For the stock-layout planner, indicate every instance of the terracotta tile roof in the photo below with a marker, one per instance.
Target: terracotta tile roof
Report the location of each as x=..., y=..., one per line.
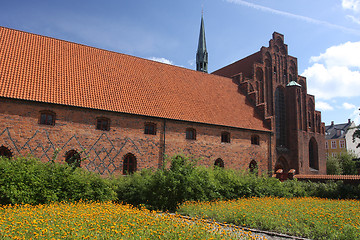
x=43, y=69
x=328, y=177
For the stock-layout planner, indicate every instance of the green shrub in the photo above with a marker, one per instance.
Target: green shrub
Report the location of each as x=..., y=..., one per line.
x=341, y=164
x=27, y=180
x=333, y=166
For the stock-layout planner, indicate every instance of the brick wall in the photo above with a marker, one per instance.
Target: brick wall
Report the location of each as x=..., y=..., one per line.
x=103, y=151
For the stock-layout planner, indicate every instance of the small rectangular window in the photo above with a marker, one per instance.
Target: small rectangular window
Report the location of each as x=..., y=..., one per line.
x=103, y=124
x=47, y=118
x=255, y=140
x=150, y=128
x=342, y=144
x=326, y=145
x=225, y=137
x=191, y=134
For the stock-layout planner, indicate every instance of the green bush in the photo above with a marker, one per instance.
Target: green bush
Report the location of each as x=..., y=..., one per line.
x=27, y=180
x=341, y=164
x=166, y=188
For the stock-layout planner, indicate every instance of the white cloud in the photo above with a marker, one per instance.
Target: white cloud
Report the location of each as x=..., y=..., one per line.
x=335, y=73
x=348, y=106
x=162, y=60
x=295, y=16
x=351, y=4
x=353, y=18
x=323, y=106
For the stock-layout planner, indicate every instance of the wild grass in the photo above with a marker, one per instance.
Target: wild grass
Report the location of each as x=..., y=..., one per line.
x=313, y=218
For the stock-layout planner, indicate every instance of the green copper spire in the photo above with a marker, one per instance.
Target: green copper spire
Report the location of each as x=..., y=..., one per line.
x=202, y=55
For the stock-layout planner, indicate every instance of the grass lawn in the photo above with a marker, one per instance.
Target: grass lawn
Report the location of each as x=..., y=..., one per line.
x=101, y=221
x=313, y=218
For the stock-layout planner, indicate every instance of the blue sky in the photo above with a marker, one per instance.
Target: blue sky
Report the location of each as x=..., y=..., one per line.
x=324, y=35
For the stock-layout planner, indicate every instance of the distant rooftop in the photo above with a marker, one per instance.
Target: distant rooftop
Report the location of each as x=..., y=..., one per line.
x=336, y=131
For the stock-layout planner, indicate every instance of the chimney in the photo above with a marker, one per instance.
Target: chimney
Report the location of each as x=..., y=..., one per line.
x=332, y=123
x=349, y=120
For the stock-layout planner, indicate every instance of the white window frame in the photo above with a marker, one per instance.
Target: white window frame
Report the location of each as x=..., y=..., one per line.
x=333, y=144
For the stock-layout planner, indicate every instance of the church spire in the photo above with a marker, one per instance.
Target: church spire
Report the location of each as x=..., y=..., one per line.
x=202, y=55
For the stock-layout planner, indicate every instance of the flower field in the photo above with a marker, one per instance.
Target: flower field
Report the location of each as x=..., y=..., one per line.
x=313, y=218
x=102, y=221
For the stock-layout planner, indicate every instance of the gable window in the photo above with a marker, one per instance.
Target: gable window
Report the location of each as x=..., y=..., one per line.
x=73, y=158
x=47, y=118
x=191, y=134
x=103, y=124
x=150, y=128
x=255, y=140
x=225, y=137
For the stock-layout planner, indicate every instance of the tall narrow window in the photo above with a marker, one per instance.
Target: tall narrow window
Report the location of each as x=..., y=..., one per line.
x=191, y=134
x=103, y=124
x=150, y=128
x=47, y=118
x=313, y=154
x=129, y=164
x=73, y=158
x=5, y=152
x=255, y=140
x=225, y=137
x=280, y=117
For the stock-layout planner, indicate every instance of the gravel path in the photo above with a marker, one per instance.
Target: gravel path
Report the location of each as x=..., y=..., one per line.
x=238, y=231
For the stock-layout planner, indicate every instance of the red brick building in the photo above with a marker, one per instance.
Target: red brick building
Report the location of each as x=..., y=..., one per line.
x=119, y=113
x=269, y=78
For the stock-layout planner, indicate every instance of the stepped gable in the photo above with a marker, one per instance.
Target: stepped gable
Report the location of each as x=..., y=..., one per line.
x=44, y=69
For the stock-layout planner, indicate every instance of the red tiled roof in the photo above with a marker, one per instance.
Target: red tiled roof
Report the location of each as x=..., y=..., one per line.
x=44, y=69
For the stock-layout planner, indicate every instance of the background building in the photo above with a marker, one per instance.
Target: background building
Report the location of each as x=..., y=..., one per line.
x=339, y=138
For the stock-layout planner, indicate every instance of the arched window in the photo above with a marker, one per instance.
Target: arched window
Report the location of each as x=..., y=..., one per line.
x=47, y=118
x=219, y=163
x=129, y=164
x=5, y=152
x=103, y=123
x=225, y=137
x=73, y=158
x=150, y=128
x=253, y=167
x=280, y=117
x=313, y=154
x=191, y=134
x=255, y=140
